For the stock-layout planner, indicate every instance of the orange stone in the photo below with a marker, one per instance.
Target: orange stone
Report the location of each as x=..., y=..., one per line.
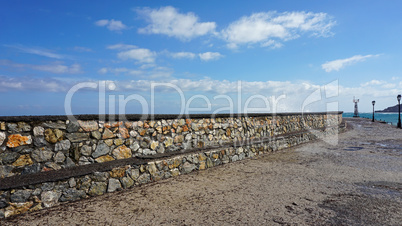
x=122, y=152
x=107, y=134
x=23, y=160
x=124, y=133
x=185, y=128
x=118, y=172
x=16, y=140
x=105, y=158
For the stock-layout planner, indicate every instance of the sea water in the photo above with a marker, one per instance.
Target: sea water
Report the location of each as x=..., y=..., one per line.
x=391, y=118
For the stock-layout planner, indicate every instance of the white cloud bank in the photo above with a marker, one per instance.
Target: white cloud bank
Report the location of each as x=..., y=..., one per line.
x=336, y=65
x=168, y=21
x=268, y=28
x=37, y=51
x=55, y=68
x=112, y=25
x=207, y=56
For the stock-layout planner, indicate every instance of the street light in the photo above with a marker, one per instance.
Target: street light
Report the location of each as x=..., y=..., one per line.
x=373, y=102
x=399, y=105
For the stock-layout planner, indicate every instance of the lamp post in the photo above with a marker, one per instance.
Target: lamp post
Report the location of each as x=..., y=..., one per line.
x=373, y=102
x=399, y=105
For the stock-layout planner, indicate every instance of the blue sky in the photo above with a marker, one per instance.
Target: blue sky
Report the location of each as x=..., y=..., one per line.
x=286, y=56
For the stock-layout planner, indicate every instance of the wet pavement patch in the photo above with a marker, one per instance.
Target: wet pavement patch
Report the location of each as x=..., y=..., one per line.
x=353, y=148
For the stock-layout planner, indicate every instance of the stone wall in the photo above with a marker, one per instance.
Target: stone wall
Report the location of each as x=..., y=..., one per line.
x=46, y=160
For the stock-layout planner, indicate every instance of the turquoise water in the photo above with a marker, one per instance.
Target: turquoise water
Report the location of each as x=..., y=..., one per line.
x=388, y=117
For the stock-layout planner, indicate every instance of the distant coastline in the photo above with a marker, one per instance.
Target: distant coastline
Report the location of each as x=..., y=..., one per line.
x=393, y=109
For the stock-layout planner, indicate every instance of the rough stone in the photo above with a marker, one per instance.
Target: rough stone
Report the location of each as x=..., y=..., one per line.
x=188, y=167
x=152, y=168
x=40, y=142
x=54, y=125
x=96, y=134
x=77, y=137
x=17, y=208
x=52, y=136
x=21, y=195
x=109, y=142
x=104, y=158
x=97, y=188
x=202, y=166
x=83, y=161
x=42, y=154
x=38, y=131
x=34, y=168
x=122, y=152
x=86, y=150
x=6, y=171
x=100, y=176
x=16, y=140
x=126, y=182
x=73, y=126
x=113, y=185
x=2, y=137
x=175, y=172
x=59, y=157
x=178, y=139
x=23, y=160
x=144, y=178
x=154, y=145
x=124, y=133
x=88, y=126
x=107, y=134
x=63, y=145
x=118, y=142
x=148, y=152
x=71, y=182
x=101, y=149
x=50, y=198
x=133, y=173
x=72, y=194
x=8, y=157
x=168, y=142
x=118, y=172
x=2, y=126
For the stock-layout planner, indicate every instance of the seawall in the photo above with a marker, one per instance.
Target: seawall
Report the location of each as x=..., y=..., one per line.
x=47, y=160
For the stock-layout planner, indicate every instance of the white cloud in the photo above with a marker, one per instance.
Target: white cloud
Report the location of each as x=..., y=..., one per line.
x=188, y=55
x=112, y=25
x=82, y=49
x=336, y=65
x=37, y=51
x=121, y=46
x=168, y=21
x=140, y=55
x=266, y=27
x=56, y=68
x=207, y=56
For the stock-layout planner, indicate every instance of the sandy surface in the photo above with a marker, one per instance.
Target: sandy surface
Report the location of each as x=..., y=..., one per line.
x=356, y=182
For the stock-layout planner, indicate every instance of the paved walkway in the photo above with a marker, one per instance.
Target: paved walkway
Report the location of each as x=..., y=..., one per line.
x=358, y=182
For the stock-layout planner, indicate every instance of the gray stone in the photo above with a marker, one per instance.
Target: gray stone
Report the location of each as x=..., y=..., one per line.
x=72, y=194
x=114, y=185
x=100, y=176
x=54, y=125
x=2, y=137
x=40, y=142
x=53, y=165
x=135, y=146
x=133, y=173
x=86, y=150
x=126, y=182
x=83, y=161
x=97, y=188
x=13, y=128
x=234, y=158
x=42, y=155
x=36, y=192
x=225, y=159
x=96, y=134
x=144, y=178
x=2, y=215
x=84, y=183
x=3, y=203
x=59, y=157
x=73, y=126
x=38, y=131
x=148, y=152
x=77, y=137
x=8, y=157
x=63, y=145
x=188, y=167
x=71, y=182
x=242, y=156
x=101, y=149
x=69, y=162
x=47, y=186
x=34, y=168
x=50, y=198
x=20, y=195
